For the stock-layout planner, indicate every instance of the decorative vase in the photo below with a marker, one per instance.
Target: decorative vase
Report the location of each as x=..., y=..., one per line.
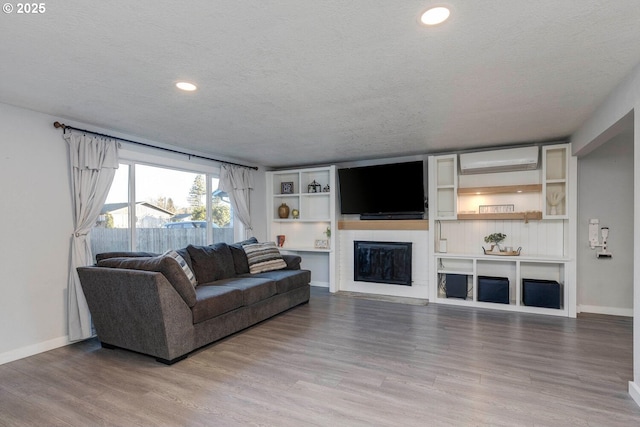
x=283, y=211
x=295, y=213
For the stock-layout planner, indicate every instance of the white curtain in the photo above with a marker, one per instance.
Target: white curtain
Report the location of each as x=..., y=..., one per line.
x=238, y=183
x=93, y=161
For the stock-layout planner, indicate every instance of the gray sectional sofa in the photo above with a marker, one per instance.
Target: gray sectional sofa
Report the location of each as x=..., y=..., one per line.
x=149, y=303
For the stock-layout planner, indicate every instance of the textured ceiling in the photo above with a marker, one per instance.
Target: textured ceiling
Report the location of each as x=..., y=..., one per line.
x=297, y=82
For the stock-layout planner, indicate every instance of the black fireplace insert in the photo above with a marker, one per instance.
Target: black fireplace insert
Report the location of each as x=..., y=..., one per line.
x=382, y=262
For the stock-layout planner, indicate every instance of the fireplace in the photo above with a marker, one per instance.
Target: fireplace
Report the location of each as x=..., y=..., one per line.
x=382, y=262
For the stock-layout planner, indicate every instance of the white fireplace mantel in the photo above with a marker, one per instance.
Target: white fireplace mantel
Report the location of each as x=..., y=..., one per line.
x=394, y=231
x=410, y=224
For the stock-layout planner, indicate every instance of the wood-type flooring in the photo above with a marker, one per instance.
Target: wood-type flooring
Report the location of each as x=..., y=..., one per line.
x=343, y=361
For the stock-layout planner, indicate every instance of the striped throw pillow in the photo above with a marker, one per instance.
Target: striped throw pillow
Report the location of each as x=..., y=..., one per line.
x=263, y=257
x=185, y=267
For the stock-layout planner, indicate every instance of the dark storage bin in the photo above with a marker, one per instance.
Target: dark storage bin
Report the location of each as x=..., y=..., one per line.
x=542, y=293
x=456, y=286
x=493, y=289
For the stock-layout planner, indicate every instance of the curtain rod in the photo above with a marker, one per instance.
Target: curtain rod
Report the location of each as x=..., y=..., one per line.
x=65, y=127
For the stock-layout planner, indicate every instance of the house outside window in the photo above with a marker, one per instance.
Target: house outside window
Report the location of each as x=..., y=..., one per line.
x=168, y=208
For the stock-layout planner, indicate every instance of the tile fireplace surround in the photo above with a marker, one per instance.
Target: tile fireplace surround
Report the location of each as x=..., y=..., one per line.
x=415, y=232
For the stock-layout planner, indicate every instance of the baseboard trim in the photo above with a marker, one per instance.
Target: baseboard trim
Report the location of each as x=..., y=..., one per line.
x=611, y=311
x=30, y=350
x=319, y=284
x=388, y=298
x=634, y=391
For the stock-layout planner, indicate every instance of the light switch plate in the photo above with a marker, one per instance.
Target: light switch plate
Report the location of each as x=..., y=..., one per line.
x=594, y=225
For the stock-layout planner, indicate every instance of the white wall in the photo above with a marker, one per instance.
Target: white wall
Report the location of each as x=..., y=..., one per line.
x=605, y=180
x=536, y=238
x=36, y=218
x=596, y=130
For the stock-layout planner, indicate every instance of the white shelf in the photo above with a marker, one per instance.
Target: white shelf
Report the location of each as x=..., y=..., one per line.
x=327, y=193
x=303, y=249
x=463, y=272
x=531, y=258
x=293, y=221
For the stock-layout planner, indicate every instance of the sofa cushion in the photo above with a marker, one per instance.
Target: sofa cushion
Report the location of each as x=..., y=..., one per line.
x=263, y=257
x=124, y=254
x=254, y=289
x=183, y=264
x=239, y=256
x=213, y=300
x=293, y=261
x=286, y=280
x=211, y=263
x=168, y=266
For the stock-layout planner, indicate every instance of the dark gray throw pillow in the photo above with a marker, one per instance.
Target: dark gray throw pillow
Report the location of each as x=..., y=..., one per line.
x=240, y=262
x=211, y=263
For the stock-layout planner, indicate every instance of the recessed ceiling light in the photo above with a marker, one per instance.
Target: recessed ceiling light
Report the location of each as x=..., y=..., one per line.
x=435, y=15
x=186, y=86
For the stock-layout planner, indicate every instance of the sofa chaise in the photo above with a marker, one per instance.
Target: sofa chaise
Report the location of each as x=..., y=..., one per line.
x=169, y=305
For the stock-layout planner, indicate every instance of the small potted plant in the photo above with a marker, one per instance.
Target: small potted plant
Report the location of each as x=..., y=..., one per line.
x=495, y=239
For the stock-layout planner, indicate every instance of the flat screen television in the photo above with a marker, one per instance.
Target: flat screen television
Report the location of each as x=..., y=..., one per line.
x=394, y=191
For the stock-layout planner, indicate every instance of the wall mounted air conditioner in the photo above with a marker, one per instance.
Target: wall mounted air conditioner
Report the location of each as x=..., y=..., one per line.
x=510, y=159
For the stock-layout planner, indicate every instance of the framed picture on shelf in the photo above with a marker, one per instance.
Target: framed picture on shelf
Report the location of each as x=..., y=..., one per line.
x=321, y=244
x=488, y=209
x=286, y=187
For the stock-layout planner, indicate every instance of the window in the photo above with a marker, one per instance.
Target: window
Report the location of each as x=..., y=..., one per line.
x=168, y=208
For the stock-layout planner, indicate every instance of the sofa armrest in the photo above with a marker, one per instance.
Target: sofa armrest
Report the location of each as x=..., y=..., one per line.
x=138, y=310
x=293, y=261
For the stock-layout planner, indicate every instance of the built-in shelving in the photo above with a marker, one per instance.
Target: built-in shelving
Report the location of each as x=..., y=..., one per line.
x=555, y=165
x=514, y=269
x=312, y=192
x=466, y=208
x=545, y=199
x=465, y=193
x=510, y=202
x=446, y=186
